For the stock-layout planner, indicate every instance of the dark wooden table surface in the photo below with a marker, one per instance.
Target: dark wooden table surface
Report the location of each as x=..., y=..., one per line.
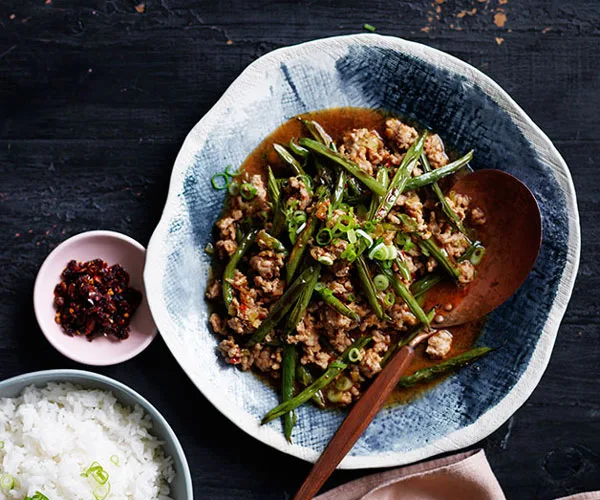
x=96, y=97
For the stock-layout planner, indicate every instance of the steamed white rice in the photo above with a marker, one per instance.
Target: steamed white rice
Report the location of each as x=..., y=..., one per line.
x=49, y=436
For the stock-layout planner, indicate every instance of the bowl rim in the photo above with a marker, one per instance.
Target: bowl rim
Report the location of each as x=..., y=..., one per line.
x=56, y=375
x=495, y=416
x=37, y=296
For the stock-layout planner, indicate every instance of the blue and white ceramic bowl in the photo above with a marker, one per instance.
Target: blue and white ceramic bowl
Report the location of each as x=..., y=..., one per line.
x=469, y=111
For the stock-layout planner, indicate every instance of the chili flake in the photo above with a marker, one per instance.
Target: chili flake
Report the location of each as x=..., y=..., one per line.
x=94, y=299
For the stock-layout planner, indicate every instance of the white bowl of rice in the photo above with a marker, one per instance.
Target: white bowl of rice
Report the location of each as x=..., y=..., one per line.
x=73, y=434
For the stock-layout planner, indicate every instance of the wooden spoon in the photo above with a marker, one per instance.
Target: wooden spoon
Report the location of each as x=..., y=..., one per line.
x=512, y=238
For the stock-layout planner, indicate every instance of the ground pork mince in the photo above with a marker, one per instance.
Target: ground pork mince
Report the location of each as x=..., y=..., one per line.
x=341, y=232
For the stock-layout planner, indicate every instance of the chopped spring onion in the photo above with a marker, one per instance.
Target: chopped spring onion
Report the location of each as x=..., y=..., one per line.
x=386, y=264
x=351, y=235
x=296, y=223
x=382, y=251
x=97, y=472
x=381, y=282
x=7, y=482
x=248, y=191
x=231, y=174
x=350, y=253
x=477, y=255
x=403, y=269
x=324, y=236
x=344, y=383
x=344, y=224
x=115, y=460
x=354, y=355
x=101, y=491
x=389, y=299
x=369, y=27
x=325, y=259
x=233, y=189
x=351, y=297
x=100, y=476
x=292, y=233
x=334, y=396
x=1, y=445
x=301, y=228
x=220, y=181
x=369, y=226
x=297, y=149
x=367, y=238
x=37, y=496
x=299, y=216
x=405, y=242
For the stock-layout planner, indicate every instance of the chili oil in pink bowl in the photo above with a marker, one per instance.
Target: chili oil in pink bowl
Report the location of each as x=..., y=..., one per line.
x=113, y=248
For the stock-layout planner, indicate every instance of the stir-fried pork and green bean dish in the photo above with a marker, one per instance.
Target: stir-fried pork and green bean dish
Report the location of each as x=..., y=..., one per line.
x=325, y=250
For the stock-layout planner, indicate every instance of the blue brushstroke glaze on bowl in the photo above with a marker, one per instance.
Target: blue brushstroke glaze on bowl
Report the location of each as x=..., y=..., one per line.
x=384, y=73
x=467, y=118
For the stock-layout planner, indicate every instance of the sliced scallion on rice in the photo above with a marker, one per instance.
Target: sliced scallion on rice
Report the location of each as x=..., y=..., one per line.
x=7, y=482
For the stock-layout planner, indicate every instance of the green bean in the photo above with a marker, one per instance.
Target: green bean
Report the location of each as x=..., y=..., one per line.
x=437, y=174
x=289, y=159
x=288, y=372
x=356, y=187
x=423, y=285
x=333, y=370
x=306, y=378
x=475, y=248
x=301, y=304
x=300, y=246
x=243, y=246
x=302, y=239
x=324, y=174
x=275, y=196
x=319, y=133
x=429, y=246
x=446, y=208
x=340, y=189
x=403, y=268
x=400, y=179
x=401, y=289
x=351, y=167
x=303, y=375
x=383, y=179
x=299, y=151
x=414, y=332
x=271, y=242
x=440, y=255
x=368, y=286
x=272, y=186
x=335, y=303
x=281, y=307
x=432, y=372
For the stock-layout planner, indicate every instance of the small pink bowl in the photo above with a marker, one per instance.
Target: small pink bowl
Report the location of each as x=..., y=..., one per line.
x=114, y=248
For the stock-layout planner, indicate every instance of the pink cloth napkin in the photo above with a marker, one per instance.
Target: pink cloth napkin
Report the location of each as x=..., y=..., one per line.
x=462, y=476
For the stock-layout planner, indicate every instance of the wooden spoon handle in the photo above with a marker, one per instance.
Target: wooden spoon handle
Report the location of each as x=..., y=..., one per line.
x=355, y=423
